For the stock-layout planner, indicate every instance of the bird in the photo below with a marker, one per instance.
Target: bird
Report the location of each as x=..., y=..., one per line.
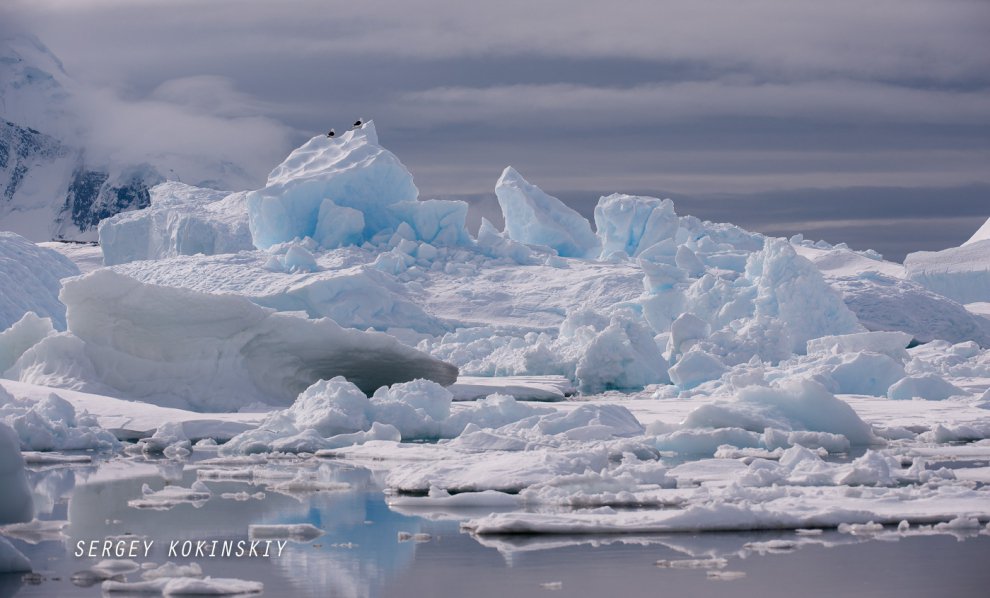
x=357, y=123
x=331, y=133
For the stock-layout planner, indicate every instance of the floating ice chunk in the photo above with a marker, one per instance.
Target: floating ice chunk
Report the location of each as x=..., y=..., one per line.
x=24, y=334
x=630, y=223
x=533, y=217
x=334, y=413
x=503, y=471
x=168, y=438
x=186, y=586
x=961, y=273
x=181, y=220
x=16, y=504
x=351, y=171
x=872, y=469
x=378, y=431
x=705, y=442
x=171, y=496
x=925, y=386
x=52, y=424
x=108, y=568
x=797, y=404
x=171, y=569
x=524, y=388
x=30, y=278
x=11, y=559
x=208, y=352
x=300, y=532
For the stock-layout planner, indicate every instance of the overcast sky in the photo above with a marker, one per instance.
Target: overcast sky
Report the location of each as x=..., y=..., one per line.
x=860, y=121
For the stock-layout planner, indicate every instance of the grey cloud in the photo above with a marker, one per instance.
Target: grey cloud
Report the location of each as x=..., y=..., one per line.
x=701, y=98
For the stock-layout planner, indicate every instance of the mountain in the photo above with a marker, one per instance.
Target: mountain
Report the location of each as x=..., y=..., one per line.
x=53, y=184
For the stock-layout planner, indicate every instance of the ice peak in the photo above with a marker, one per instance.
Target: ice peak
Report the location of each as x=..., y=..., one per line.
x=510, y=174
x=323, y=154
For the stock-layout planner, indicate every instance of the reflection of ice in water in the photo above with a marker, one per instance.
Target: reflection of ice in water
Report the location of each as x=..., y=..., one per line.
x=358, y=552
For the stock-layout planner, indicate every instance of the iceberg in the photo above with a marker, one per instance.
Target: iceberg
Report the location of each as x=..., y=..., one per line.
x=30, y=278
x=181, y=220
x=352, y=171
x=176, y=347
x=535, y=218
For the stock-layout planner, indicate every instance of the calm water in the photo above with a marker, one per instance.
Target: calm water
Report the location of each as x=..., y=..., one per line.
x=364, y=551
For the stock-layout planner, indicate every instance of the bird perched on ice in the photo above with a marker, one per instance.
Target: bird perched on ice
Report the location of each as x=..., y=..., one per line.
x=357, y=123
x=331, y=133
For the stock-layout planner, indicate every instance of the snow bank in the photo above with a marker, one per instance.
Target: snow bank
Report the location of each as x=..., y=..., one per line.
x=181, y=220
x=30, y=278
x=206, y=352
x=629, y=223
x=533, y=217
x=16, y=504
x=961, y=273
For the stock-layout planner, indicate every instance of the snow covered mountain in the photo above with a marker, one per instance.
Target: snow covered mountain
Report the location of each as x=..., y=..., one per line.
x=55, y=181
x=49, y=189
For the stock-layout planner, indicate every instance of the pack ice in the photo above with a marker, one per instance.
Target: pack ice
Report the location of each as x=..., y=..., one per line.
x=727, y=380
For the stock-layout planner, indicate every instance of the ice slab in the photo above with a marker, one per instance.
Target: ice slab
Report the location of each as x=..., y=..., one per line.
x=131, y=420
x=522, y=388
x=176, y=347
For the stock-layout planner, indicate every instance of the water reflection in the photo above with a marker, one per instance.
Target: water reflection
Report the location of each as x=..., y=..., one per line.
x=362, y=553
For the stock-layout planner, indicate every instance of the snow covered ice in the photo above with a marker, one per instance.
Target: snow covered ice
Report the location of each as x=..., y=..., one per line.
x=655, y=373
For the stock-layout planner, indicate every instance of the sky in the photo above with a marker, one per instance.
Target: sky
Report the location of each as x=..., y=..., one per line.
x=864, y=122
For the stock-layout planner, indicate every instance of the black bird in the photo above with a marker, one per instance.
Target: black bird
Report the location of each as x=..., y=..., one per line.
x=331, y=133
x=357, y=124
